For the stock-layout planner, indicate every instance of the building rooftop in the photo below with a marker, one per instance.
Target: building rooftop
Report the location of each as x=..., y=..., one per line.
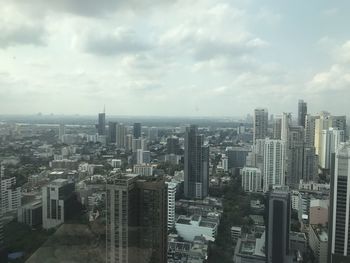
x=321, y=232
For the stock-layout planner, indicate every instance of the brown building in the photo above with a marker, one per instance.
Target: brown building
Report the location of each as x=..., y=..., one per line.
x=136, y=219
x=318, y=212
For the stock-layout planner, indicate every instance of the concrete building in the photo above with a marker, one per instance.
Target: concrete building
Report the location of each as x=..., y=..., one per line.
x=274, y=163
x=10, y=195
x=171, y=204
x=318, y=212
x=251, y=179
x=302, y=111
x=143, y=169
x=278, y=227
x=318, y=242
x=196, y=164
x=250, y=249
x=31, y=214
x=121, y=133
x=260, y=124
x=189, y=227
x=57, y=198
x=339, y=221
x=136, y=219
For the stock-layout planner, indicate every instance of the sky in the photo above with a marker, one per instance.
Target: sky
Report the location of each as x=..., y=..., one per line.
x=173, y=57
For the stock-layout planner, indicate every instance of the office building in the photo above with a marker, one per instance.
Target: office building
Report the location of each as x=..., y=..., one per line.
x=310, y=122
x=274, y=163
x=277, y=128
x=31, y=214
x=310, y=164
x=101, y=126
x=237, y=156
x=128, y=142
x=121, y=132
x=196, y=164
x=57, y=201
x=339, y=221
x=112, y=132
x=302, y=111
x=278, y=227
x=136, y=144
x=153, y=134
x=136, y=219
x=286, y=121
x=251, y=179
x=295, y=155
x=173, y=145
x=260, y=124
x=137, y=130
x=171, y=204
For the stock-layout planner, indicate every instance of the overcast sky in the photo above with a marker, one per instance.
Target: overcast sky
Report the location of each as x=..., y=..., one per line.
x=168, y=57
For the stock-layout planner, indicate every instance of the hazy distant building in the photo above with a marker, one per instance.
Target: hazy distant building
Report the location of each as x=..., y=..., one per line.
x=302, y=111
x=237, y=156
x=173, y=145
x=153, y=134
x=121, y=135
x=61, y=132
x=196, y=164
x=137, y=130
x=3, y=254
x=112, y=132
x=277, y=128
x=339, y=221
x=278, y=227
x=260, y=124
x=101, y=127
x=57, y=198
x=136, y=220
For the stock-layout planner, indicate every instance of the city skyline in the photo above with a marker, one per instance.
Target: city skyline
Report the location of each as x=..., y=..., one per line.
x=220, y=54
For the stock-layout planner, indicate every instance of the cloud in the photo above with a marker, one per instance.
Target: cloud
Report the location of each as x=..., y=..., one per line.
x=119, y=41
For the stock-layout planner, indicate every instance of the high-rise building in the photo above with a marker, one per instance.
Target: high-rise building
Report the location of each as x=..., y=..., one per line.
x=137, y=130
x=277, y=128
x=121, y=135
x=101, y=127
x=261, y=122
x=11, y=195
x=173, y=146
x=153, y=134
x=285, y=125
x=171, y=204
x=196, y=164
x=295, y=153
x=310, y=164
x=302, y=111
x=112, y=132
x=251, y=179
x=330, y=140
x=310, y=122
x=274, y=163
x=57, y=199
x=278, y=227
x=339, y=221
x=136, y=219
x=61, y=132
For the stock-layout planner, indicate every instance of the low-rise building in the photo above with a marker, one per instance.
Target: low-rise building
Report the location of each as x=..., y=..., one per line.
x=189, y=227
x=318, y=212
x=250, y=249
x=236, y=232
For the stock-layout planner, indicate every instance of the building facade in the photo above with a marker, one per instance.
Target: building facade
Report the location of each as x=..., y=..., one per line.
x=251, y=179
x=260, y=127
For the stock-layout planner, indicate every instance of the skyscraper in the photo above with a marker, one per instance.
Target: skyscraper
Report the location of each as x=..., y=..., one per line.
x=137, y=130
x=274, y=163
x=196, y=164
x=61, y=132
x=310, y=164
x=101, y=127
x=278, y=227
x=136, y=219
x=302, y=111
x=3, y=255
x=295, y=155
x=260, y=124
x=172, y=144
x=112, y=132
x=121, y=135
x=330, y=140
x=339, y=221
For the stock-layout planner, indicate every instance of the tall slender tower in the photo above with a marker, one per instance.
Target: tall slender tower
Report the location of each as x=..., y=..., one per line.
x=101, y=129
x=302, y=111
x=137, y=130
x=261, y=121
x=196, y=164
x=278, y=227
x=339, y=221
x=112, y=132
